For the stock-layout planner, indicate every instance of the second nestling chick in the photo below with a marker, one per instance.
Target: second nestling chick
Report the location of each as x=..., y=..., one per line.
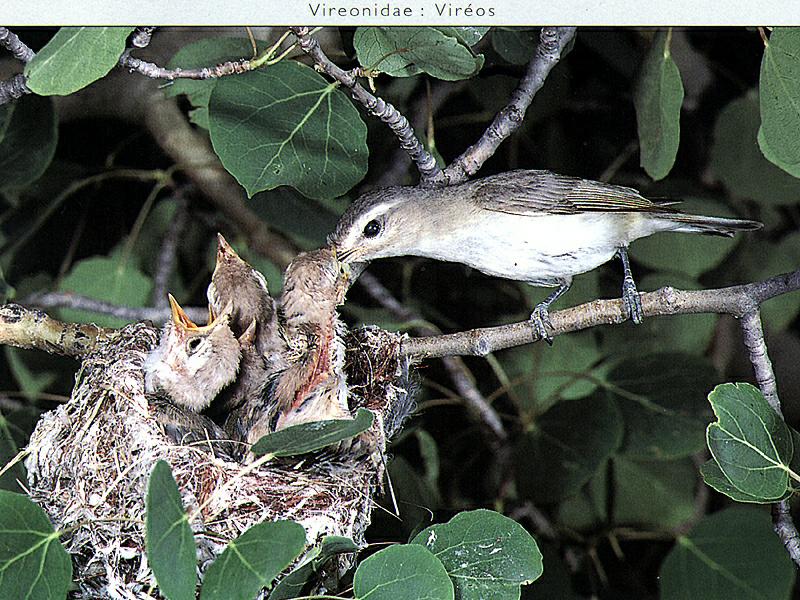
x=313, y=386
x=191, y=364
x=255, y=322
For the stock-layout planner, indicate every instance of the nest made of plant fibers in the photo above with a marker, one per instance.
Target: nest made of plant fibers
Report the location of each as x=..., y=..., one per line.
x=90, y=461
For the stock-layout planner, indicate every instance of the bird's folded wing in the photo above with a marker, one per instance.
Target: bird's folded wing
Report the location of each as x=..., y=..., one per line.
x=538, y=193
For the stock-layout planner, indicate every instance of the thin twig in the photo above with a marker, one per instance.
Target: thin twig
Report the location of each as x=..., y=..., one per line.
x=462, y=379
x=11, y=42
x=424, y=107
x=753, y=337
x=13, y=88
x=736, y=300
x=166, y=257
x=142, y=36
x=430, y=174
x=128, y=313
x=154, y=71
x=29, y=328
x=552, y=41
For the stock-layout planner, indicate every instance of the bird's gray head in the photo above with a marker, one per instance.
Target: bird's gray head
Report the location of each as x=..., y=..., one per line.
x=191, y=363
x=379, y=224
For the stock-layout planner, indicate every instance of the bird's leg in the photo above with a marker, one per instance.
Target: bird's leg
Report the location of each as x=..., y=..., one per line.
x=630, y=295
x=540, y=317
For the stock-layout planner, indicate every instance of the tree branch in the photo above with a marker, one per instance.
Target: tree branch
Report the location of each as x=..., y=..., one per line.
x=753, y=337
x=154, y=71
x=142, y=36
x=11, y=42
x=168, y=253
x=13, y=88
x=552, y=41
x=462, y=379
x=430, y=174
x=128, y=313
x=737, y=300
x=32, y=329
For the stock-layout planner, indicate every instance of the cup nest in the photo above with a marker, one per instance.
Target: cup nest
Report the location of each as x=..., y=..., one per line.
x=90, y=461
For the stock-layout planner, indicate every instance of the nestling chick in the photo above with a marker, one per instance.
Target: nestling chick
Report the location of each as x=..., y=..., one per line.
x=235, y=281
x=244, y=399
x=188, y=428
x=192, y=364
x=313, y=386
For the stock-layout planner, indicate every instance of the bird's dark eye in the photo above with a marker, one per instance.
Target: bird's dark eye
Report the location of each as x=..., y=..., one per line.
x=193, y=344
x=372, y=229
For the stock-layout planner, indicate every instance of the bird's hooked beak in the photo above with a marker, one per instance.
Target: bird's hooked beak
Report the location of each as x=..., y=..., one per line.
x=183, y=322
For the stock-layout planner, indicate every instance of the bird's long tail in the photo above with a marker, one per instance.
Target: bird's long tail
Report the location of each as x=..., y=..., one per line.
x=685, y=223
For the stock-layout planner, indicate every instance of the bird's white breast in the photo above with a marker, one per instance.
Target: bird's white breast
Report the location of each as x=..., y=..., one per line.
x=540, y=249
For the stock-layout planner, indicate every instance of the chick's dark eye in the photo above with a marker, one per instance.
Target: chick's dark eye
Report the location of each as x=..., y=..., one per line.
x=372, y=229
x=193, y=344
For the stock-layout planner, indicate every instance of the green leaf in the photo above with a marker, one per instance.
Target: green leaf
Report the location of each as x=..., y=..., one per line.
x=516, y=46
x=251, y=561
x=6, y=290
x=28, y=142
x=407, y=51
x=543, y=375
x=763, y=259
x=309, y=437
x=469, y=36
x=731, y=554
x=292, y=585
x=739, y=164
x=285, y=125
x=33, y=564
x=204, y=53
x=658, y=98
x=429, y=452
x=301, y=219
x=416, y=497
x=74, y=58
x=772, y=156
x=169, y=541
x=566, y=446
x=111, y=279
x=662, y=398
x=750, y=442
x=486, y=554
x=689, y=254
x=8, y=452
x=658, y=494
x=32, y=381
x=402, y=571
x=779, y=92
x=715, y=478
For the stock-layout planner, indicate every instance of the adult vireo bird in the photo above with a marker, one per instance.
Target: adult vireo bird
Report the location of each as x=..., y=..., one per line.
x=533, y=226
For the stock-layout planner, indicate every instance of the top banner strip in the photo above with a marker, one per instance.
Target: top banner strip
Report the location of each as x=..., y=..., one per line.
x=420, y=12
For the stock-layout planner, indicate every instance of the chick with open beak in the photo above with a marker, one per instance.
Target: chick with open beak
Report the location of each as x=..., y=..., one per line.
x=313, y=386
x=191, y=364
x=234, y=280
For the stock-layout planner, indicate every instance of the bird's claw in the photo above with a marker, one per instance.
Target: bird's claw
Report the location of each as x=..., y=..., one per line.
x=540, y=321
x=632, y=301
